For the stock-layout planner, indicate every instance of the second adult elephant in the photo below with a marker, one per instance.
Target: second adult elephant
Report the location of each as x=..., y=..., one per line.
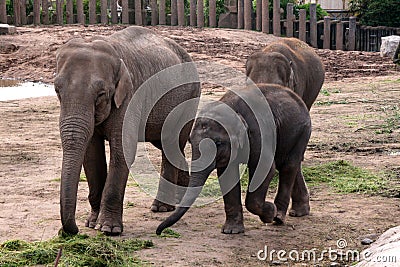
x=96, y=81
x=291, y=63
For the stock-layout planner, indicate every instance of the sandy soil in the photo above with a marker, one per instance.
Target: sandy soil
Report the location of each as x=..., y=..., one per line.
x=360, y=97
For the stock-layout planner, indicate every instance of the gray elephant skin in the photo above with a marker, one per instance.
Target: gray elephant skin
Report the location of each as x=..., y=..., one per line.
x=290, y=63
x=293, y=129
x=95, y=82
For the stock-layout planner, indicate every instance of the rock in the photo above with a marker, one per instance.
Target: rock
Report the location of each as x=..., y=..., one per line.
x=7, y=48
x=386, y=248
x=7, y=29
x=367, y=241
x=389, y=45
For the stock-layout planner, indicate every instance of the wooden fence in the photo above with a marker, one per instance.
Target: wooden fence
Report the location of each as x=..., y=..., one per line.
x=328, y=34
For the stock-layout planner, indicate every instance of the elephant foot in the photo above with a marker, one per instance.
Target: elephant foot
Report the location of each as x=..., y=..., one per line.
x=159, y=206
x=269, y=212
x=279, y=219
x=233, y=224
x=109, y=225
x=233, y=228
x=299, y=209
x=91, y=221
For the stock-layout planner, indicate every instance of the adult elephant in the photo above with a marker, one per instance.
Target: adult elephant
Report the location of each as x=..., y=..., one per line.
x=95, y=83
x=291, y=63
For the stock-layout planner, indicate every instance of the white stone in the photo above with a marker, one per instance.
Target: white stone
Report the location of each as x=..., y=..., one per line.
x=7, y=29
x=384, y=252
x=389, y=45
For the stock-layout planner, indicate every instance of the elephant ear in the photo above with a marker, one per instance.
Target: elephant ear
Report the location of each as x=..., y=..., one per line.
x=292, y=78
x=238, y=141
x=124, y=84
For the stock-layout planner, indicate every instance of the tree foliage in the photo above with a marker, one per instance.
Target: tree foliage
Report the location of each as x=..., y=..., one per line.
x=377, y=12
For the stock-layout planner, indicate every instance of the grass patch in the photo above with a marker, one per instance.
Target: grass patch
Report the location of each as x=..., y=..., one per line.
x=169, y=233
x=331, y=102
x=391, y=120
x=342, y=176
x=79, y=250
x=346, y=178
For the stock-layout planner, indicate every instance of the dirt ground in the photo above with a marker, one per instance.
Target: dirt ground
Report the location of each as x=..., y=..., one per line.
x=355, y=118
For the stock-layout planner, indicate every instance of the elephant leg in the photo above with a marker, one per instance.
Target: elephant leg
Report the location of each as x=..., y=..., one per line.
x=95, y=166
x=300, y=197
x=165, y=199
x=255, y=201
x=111, y=208
x=287, y=177
x=232, y=204
x=183, y=173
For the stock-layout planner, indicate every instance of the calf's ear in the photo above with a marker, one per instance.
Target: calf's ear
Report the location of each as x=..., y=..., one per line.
x=124, y=84
x=292, y=78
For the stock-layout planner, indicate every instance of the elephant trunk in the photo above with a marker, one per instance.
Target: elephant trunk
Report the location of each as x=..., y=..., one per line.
x=75, y=131
x=196, y=183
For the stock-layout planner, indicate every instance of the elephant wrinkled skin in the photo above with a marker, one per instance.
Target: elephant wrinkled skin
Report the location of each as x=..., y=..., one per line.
x=95, y=82
x=293, y=128
x=290, y=63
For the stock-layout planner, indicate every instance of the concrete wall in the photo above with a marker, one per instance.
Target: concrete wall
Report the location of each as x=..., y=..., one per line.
x=329, y=4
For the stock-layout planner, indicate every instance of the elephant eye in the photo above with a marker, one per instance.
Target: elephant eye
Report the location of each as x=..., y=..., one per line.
x=103, y=95
x=218, y=143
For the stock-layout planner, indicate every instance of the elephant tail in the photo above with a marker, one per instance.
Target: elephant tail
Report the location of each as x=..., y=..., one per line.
x=171, y=220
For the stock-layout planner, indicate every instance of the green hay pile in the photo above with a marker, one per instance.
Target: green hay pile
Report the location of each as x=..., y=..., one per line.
x=79, y=250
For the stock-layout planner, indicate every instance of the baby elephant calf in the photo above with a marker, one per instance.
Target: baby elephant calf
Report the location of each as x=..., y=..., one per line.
x=267, y=127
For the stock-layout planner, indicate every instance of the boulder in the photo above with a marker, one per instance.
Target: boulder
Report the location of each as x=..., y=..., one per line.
x=7, y=29
x=384, y=252
x=389, y=45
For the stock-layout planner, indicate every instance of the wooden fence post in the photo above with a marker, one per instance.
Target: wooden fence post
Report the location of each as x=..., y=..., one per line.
x=154, y=12
x=327, y=33
x=70, y=12
x=302, y=25
x=45, y=12
x=212, y=9
x=92, y=12
x=192, y=12
x=22, y=5
x=36, y=12
x=247, y=14
x=265, y=16
x=114, y=12
x=259, y=15
x=313, y=25
x=352, y=34
x=103, y=9
x=339, y=36
x=277, y=18
x=181, y=12
x=240, y=14
x=79, y=11
x=125, y=12
x=200, y=13
x=138, y=12
x=17, y=12
x=3, y=12
x=60, y=12
x=161, y=15
x=174, y=13
x=289, y=20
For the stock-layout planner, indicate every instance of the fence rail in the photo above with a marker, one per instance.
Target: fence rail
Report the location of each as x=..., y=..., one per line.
x=328, y=33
